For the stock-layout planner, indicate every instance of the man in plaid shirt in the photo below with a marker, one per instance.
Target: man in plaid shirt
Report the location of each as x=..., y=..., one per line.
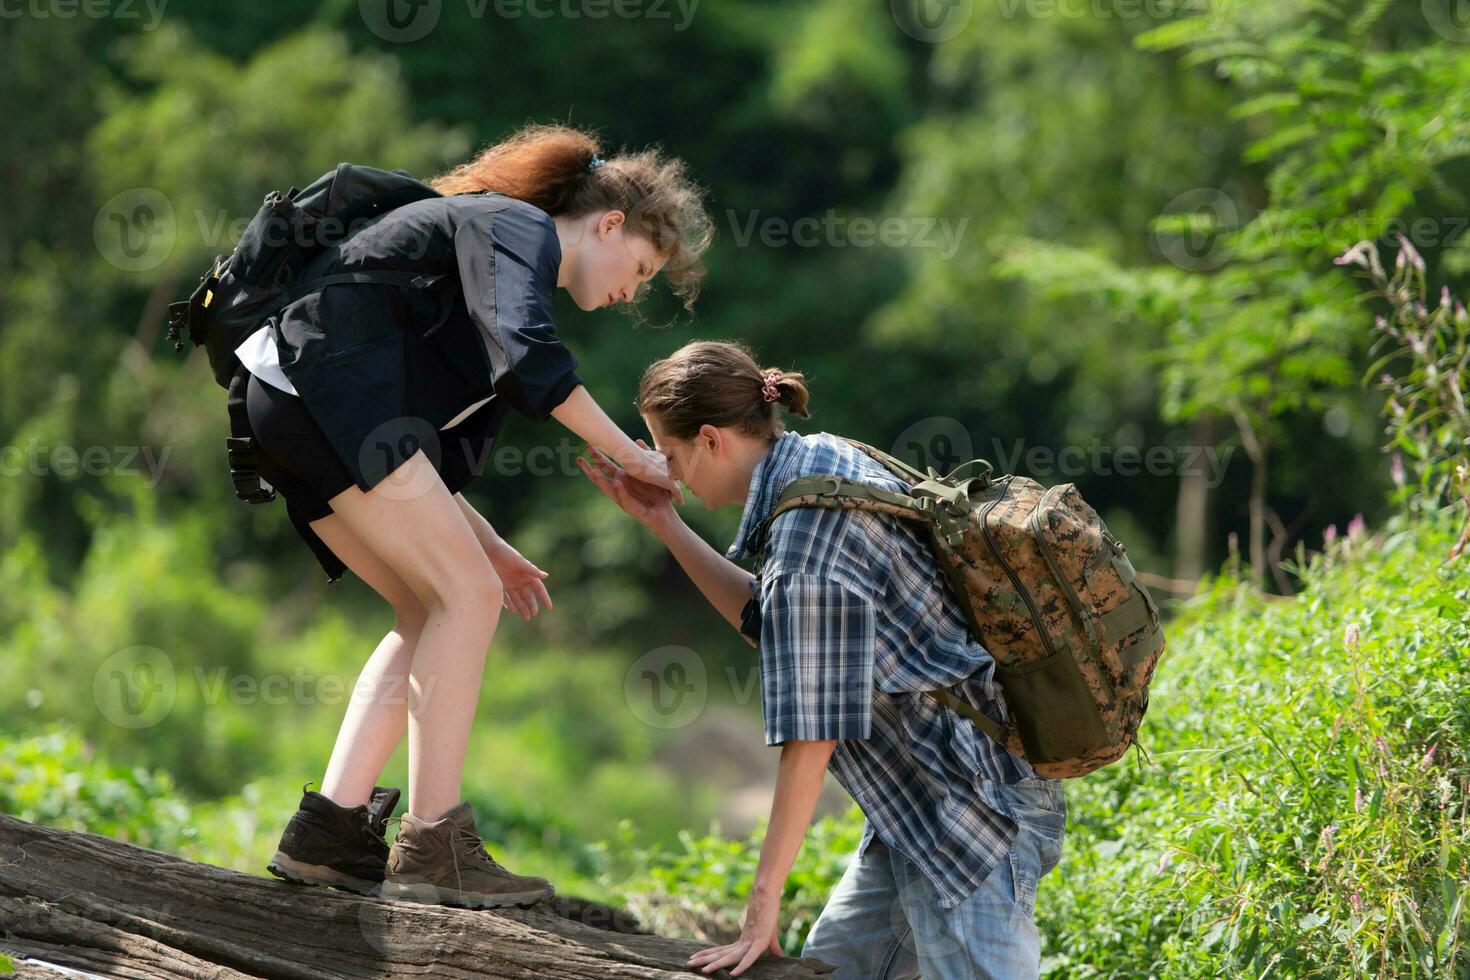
x=854, y=622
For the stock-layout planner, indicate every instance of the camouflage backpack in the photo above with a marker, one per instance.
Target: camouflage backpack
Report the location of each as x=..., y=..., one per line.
x=1048, y=591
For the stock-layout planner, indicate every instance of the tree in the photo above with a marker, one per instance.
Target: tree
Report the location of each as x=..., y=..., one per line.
x=1257, y=323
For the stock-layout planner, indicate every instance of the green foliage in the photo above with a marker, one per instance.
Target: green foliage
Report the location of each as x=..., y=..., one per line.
x=1427, y=418
x=57, y=779
x=1303, y=811
x=840, y=67
x=1255, y=322
x=1307, y=811
x=1354, y=137
x=699, y=889
x=295, y=109
x=1048, y=144
x=7, y=965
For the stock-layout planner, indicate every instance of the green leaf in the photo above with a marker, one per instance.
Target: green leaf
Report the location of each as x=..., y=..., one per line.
x=1265, y=103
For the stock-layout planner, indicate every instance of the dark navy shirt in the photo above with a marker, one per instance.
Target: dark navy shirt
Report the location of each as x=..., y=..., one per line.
x=366, y=357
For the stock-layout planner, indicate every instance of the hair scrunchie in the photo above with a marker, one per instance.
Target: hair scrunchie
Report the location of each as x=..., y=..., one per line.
x=769, y=381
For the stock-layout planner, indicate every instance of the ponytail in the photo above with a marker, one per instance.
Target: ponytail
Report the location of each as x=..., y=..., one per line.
x=717, y=383
x=541, y=165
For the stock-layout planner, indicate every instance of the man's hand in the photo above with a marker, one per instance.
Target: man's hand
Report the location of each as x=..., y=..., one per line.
x=762, y=919
x=798, y=781
x=650, y=505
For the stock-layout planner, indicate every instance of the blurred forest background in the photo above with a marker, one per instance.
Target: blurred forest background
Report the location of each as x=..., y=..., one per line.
x=1096, y=242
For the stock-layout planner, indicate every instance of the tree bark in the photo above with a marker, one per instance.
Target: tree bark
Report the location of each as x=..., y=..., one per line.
x=1254, y=440
x=1192, y=506
x=94, y=904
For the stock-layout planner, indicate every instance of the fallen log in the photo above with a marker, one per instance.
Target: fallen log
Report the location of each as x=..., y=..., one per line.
x=94, y=904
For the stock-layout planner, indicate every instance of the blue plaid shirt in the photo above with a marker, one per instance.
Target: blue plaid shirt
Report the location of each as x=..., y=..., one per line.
x=855, y=620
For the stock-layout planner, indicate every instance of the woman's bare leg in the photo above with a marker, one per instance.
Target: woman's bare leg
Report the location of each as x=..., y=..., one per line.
x=377, y=713
x=413, y=523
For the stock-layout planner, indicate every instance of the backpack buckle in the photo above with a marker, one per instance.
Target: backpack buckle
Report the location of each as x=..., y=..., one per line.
x=249, y=487
x=832, y=485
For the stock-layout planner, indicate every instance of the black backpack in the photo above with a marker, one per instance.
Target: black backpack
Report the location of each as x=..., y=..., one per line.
x=243, y=288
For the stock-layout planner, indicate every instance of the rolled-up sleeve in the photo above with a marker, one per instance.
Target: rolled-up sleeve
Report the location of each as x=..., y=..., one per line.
x=508, y=265
x=817, y=648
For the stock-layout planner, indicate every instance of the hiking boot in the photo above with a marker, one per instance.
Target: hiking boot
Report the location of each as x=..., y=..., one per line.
x=342, y=846
x=445, y=863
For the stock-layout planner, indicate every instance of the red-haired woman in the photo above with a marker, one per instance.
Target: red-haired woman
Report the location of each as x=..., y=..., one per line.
x=371, y=406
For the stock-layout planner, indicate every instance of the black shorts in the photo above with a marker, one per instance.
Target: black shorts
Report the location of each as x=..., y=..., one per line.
x=295, y=457
x=292, y=453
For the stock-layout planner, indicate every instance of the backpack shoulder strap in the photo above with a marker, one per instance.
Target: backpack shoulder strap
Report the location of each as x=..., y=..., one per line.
x=822, y=490
x=385, y=277
x=834, y=493
x=982, y=721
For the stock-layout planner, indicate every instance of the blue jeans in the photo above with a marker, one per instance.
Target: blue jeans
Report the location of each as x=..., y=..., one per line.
x=883, y=920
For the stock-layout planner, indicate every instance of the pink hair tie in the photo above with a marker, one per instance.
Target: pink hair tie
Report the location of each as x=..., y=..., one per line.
x=769, y=381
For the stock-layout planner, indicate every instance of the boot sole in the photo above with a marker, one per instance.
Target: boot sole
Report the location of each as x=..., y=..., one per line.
x=427, y=894
x=296, y=872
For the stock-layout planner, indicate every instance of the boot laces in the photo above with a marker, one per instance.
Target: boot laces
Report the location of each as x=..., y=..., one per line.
x=470, y=848
x=372, y=830
x=468, y=851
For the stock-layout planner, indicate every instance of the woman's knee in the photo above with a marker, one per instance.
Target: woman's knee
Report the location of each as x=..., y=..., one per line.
x=425, y=539
x=476, y=593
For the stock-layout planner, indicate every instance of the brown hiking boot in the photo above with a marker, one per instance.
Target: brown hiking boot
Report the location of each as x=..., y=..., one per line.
x=445, y=863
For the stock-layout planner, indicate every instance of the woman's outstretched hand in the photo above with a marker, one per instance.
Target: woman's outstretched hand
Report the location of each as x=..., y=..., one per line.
x=525, y=593
x=651, y=467
x=652, y=506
